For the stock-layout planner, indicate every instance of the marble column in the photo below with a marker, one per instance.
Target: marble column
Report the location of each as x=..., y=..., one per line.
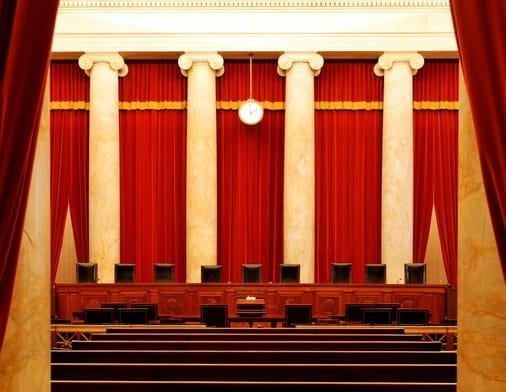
x=104, y=201
x=481, y=288
x=24, y=358
x=201, y=68
x=299, y=176
x=398, y=70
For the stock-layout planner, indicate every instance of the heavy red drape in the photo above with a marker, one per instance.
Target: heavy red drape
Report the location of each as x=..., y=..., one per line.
x=348, y=169
x=250, y=173
x=153, y=168
x=69, y=159
x=480, y=30
x=22, y=79
x=435, y=161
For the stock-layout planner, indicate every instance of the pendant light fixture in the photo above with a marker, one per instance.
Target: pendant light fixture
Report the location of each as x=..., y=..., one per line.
x=251, y=111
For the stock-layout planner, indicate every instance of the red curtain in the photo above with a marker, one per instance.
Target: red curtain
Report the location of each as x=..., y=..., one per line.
x=22, y=81
x=480, y=31
x=348, y=167
x=250, y=173
x=69, y=158
x=436, y=160
x=153, y=167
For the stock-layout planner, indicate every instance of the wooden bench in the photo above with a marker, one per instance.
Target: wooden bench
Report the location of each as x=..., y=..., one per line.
x=255, y=372
x=283, y=331
x=257, y=345
x=249, y=386
x=252, y=356
x=155, y=335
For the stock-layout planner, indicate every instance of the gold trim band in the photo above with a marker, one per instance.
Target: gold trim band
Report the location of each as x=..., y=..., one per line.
x=69, y=105
x=153, y=105
x=436, y=105
x=348, y=105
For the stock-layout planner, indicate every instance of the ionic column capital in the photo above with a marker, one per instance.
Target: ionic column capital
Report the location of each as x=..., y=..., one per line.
x=286, y=61
x=387, y=60
x=114, y=60
x=213, y=59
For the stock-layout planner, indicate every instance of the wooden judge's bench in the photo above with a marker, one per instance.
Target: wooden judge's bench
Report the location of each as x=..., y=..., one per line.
x=184, y=300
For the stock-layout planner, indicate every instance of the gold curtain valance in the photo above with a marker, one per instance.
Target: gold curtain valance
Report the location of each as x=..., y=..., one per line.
x=268, y=105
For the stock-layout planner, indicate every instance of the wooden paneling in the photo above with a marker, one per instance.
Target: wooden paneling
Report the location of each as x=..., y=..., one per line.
x=184, y=300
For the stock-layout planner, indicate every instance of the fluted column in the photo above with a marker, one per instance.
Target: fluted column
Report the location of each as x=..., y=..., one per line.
x=201, y=170
x=104, y=200
x=481, y=289
x=299, y=176
x=24, y=358
x=398, y=70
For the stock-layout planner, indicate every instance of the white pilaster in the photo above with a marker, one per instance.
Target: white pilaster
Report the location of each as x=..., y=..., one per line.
x=201, y=68
x=299, y=176
x=104, y=193
x=397, y=166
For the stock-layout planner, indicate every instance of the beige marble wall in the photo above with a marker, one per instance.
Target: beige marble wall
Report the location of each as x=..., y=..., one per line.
x=104, y=198
x=201, y=164
x=397, y=165
x=299, y=175
x=66, y=272
x=24, y=358
x=434, y=257
x=481, y=289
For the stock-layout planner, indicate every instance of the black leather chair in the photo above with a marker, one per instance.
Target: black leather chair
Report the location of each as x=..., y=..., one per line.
x=341, y=272
x=415, y=273
x=376, y=273
x=210, y=273
x=289, y=273
x=252, y=273
x=86, y=272
x=124, y=273
x=163, y=273
x=214, y=315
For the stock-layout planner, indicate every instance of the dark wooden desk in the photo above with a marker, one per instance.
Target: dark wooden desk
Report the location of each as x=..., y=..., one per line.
x=181, y=300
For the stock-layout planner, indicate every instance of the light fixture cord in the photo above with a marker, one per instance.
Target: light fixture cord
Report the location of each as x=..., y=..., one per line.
x=250, y=76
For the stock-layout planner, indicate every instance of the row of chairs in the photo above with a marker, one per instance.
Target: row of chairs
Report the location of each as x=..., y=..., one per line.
x=216, y=315
x=414, y=273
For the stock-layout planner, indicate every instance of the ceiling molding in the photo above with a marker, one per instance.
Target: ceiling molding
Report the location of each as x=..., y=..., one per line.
x=286, y=4
x=242, y=26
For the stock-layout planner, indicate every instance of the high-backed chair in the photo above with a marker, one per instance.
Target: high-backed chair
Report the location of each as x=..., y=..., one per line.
x=210, y=273
x=252, y=273
x=214, y=315
x=415, y=273
x=413, y=316
x=124, y=273
x=289, y=273
x=375, y=273
x=163, y=273
x=298, y=314
x=86, y=272
x=341, y=272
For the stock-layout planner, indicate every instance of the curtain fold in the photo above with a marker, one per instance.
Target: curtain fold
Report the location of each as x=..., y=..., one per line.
x=153, y=168
x=23, y=71
x=348, y=167
x=69, y=159
x=435, y=161
x=480, y=31
x=250, y=173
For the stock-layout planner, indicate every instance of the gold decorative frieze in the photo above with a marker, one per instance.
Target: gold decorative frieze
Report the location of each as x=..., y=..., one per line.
x=69, y=4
